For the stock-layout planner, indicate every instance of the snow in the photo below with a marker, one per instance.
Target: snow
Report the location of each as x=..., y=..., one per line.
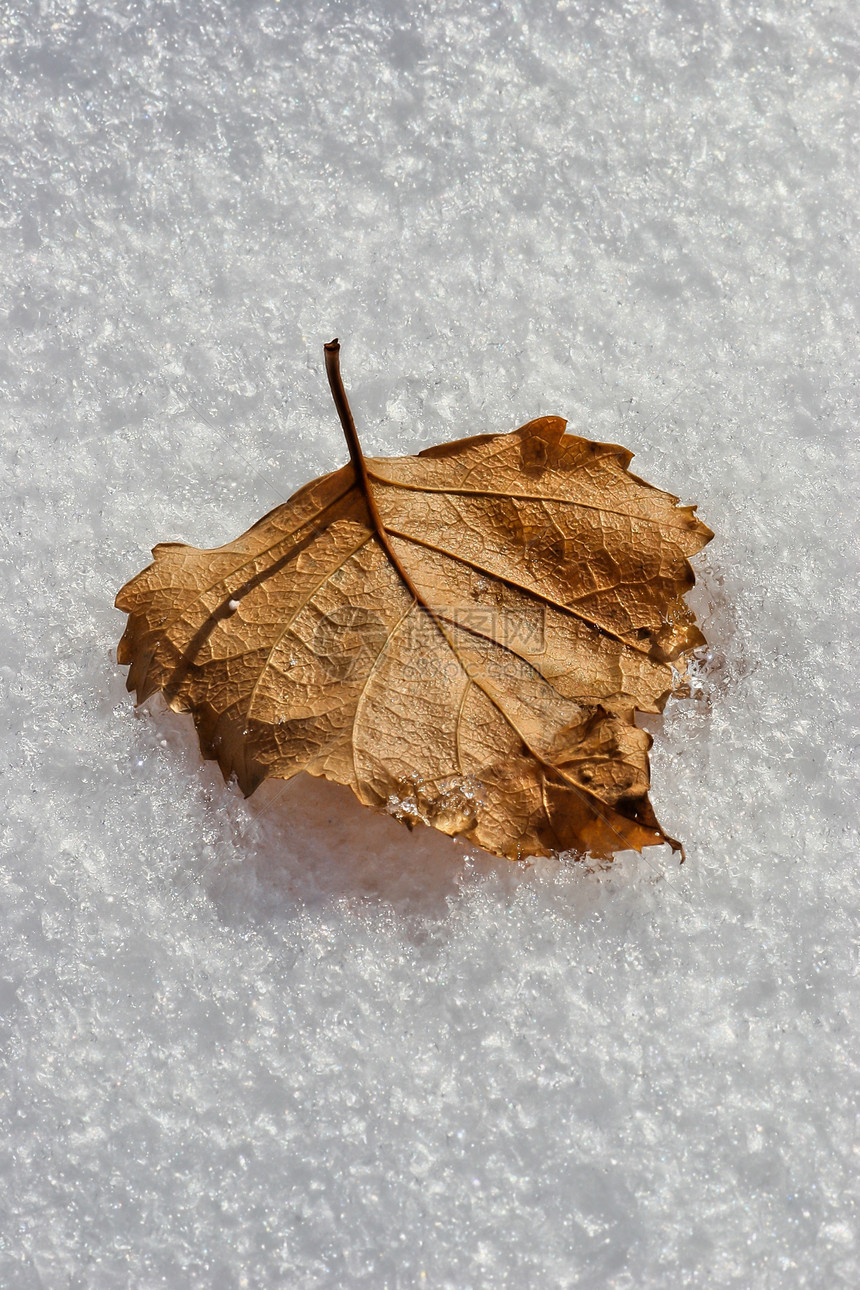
x=286, y=1042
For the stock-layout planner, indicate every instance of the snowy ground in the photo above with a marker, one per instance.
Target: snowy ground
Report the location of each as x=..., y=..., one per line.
x=284, y=1043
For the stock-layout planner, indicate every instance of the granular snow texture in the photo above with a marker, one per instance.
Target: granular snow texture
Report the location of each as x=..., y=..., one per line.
x=283, y=1042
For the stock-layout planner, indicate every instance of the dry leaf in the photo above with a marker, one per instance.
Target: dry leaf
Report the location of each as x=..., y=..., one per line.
x=462, y=637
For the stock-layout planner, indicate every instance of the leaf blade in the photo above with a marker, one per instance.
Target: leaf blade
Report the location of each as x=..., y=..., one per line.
x=461, y=637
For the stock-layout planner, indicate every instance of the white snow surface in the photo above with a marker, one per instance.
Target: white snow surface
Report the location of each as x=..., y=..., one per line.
x=285, y=1042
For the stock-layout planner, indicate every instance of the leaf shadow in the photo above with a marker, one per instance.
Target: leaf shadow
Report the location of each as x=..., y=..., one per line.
x=310, y=842
x=312, y=847
x=308, y=845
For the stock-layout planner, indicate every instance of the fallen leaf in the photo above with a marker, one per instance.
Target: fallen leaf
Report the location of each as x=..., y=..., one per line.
x=462, y=637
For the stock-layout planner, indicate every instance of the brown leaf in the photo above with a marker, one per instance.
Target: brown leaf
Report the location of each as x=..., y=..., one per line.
x=462, y=637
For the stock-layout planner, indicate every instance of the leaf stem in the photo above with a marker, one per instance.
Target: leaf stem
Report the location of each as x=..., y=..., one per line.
x=332, y=367
x=341, y=402
x=335, y=380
